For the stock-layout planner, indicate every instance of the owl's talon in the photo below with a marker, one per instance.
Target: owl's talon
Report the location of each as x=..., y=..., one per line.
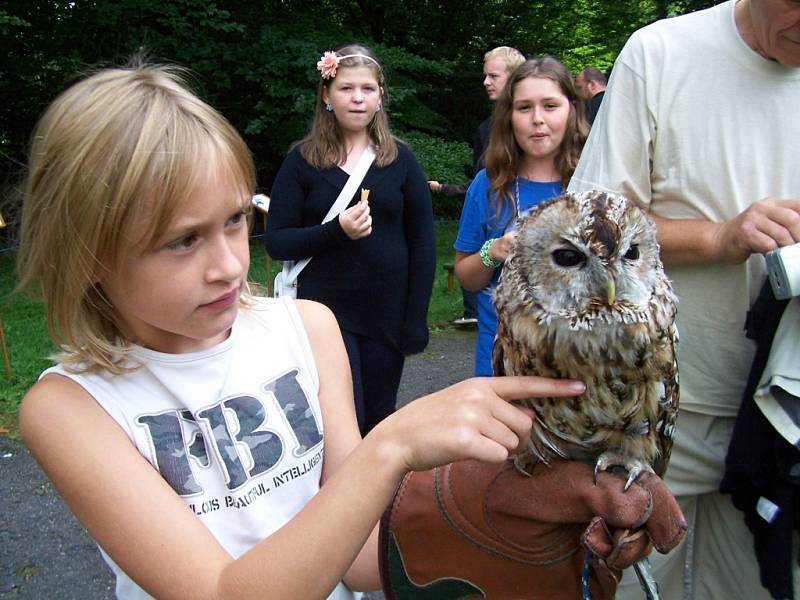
x=634, y=467
x=604, y=461
x=524, y=466
x=633, y=474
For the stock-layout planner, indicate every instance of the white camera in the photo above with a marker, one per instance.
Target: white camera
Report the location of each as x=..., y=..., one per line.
x=783, y=267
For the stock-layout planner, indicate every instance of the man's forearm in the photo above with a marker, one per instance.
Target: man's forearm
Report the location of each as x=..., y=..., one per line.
x=686, y=241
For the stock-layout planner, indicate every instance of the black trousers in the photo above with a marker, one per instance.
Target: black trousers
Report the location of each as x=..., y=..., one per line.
x=470, y=304
x=376, y=367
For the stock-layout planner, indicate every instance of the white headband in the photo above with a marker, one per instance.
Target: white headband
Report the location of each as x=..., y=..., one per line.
x=329, y=63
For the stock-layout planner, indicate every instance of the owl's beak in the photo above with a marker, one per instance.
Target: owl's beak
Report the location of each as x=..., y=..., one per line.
x=611, y=291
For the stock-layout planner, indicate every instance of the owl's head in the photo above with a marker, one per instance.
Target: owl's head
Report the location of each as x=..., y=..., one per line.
x=585, y=256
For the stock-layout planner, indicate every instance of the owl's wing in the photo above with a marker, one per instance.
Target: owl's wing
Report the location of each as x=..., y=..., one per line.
x=498, y=354
x=512, y=356
x=668, y=402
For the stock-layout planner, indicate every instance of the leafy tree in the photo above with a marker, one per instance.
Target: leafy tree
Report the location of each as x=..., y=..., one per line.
x=255, y=60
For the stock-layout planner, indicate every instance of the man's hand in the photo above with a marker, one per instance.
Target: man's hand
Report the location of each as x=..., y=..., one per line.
x=765, y=225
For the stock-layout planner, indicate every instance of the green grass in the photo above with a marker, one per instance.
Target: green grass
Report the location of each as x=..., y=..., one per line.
x=29, y=344
x=444, y=307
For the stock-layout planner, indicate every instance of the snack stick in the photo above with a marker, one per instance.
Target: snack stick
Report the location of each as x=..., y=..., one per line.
x=364, y=195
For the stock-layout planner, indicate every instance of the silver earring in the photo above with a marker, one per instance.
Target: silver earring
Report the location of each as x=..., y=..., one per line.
x=379, y=108
x=329, y=107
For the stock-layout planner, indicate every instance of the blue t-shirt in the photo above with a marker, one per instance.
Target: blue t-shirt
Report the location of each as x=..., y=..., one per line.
x=478, y=224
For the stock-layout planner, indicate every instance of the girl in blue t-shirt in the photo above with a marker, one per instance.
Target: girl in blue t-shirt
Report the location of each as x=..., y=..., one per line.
x=538, y=131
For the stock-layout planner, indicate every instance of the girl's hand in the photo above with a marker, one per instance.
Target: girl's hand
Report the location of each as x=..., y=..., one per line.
x=471, y=419
x=356, y=221
x=502, y=246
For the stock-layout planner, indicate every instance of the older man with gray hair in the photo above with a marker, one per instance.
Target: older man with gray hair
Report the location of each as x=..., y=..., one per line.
x=699, y=126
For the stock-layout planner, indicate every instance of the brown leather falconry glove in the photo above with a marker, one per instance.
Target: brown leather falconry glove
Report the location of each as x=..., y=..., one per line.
x=479, y=530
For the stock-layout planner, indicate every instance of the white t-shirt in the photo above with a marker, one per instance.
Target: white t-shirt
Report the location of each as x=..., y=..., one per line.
x=236, y=429
x=696, y=125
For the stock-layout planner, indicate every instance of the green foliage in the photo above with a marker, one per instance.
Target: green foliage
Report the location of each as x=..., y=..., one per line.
x=440, y=159
x=443, y=161
x=27, y=340
x=444, y=306
x=255, y=60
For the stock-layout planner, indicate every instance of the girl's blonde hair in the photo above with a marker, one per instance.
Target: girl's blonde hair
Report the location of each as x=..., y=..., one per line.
x=324, y=146
x=504, y=156
x=120, y=144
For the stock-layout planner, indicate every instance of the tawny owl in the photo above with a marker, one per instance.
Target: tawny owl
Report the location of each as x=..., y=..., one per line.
x=583, y=295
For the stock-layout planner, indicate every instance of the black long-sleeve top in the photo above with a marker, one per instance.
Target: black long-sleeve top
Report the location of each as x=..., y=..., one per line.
x=593, y=105
x=379, y=285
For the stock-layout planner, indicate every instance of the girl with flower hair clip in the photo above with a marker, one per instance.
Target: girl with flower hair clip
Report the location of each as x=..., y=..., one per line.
x=373, y=265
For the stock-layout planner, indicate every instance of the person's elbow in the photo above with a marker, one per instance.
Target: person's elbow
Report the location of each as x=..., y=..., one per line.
x=364, y=575
x=274, y=247
x=469, y=285
x=465, y=271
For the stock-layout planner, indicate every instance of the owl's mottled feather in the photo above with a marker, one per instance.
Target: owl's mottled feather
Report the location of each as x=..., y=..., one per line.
x=583, y=295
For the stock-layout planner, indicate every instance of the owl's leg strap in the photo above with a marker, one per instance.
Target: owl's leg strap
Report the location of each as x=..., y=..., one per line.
x=586, y=593
x=649, y=585
x=643, y=574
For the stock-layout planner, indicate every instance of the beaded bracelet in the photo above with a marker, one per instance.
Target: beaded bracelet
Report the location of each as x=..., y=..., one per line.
x=484, y=253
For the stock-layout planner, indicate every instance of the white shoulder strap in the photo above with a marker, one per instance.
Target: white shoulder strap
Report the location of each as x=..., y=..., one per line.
x=349, y=189
x=355, y=179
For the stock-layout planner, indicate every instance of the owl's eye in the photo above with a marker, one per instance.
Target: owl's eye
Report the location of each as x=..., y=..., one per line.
x=633, y=252
x=567, y=257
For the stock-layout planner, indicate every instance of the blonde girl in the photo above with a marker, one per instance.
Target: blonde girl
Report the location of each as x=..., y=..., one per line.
x=205, y=438
x=538, y=131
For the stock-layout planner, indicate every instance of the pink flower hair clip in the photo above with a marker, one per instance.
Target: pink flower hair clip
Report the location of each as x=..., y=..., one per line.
x=328, y=64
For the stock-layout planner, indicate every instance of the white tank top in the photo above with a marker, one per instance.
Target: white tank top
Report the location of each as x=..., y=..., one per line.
x=236, y=429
